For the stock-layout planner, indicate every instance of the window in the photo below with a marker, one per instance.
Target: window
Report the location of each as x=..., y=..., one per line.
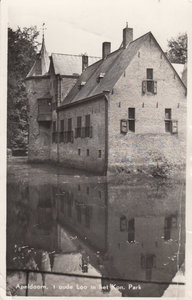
x=123, y=126
x=87, y=130
x=148, y=261
x=78, y=129
x=131, y=119
x=168, y=113
x=68, y=135
x=79, y=151
x=87, y=190
x=61, y=134
x=149, y=73
x=87, y=152
x=99, y=154
x=70, y=124
x=169, y=223
x=61, y=125
x=168, y=123
x=149, y=86
x=131, y=230
x=101, y=75
x=87, y=121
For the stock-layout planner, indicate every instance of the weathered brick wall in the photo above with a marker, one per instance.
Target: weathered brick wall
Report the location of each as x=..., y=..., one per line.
x=39, y=134
x=149, y=142
x=68, y=152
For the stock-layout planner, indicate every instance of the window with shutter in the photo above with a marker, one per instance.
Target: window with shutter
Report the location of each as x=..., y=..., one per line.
x=131, y=119
x=144, y=86
x=168, y=123
x=78, y=129
x=174, y=126
x=149, y=86
x=124, y=126
x=155, y=87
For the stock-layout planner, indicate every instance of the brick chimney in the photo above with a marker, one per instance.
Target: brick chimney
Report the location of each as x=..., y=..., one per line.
x=106, y=49
x=127, y=36
x=84, y=62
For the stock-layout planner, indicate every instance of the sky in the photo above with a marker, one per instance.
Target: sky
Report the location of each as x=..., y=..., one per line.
x=81, y=26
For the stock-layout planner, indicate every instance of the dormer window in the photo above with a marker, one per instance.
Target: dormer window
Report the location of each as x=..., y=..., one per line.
x=101, y=75
x=82, y=84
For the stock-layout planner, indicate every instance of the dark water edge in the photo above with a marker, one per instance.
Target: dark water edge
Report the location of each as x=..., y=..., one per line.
x=87, y=235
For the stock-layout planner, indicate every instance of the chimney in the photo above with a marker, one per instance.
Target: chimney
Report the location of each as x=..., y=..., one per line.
x=127, y=36
x=106, y=49
x=84, y=62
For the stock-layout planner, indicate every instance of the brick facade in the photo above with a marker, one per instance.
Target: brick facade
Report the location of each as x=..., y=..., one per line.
x=136, y=103
x=86, y=150
x=149, y=143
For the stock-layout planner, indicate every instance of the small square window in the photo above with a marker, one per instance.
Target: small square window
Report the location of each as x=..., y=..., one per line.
x=79, y=151
x=168, y=113
x=99, y=154
x=149, y=73
x=168, y=126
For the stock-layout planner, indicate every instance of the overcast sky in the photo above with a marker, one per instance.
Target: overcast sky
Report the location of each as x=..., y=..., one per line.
x=80, y=26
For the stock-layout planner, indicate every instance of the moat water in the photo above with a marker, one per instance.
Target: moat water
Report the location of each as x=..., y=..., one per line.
x=75, y=234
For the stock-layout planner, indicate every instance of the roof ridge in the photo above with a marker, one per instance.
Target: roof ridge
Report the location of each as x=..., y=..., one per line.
x=79, y=55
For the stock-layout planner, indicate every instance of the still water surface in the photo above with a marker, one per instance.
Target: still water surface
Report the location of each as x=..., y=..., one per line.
x=84, y=236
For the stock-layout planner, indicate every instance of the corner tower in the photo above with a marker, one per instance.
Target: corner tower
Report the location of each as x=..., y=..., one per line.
x=39, y=107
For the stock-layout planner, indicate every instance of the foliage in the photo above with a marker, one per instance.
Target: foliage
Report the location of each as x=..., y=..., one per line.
x=177, y=49
x=22, y=49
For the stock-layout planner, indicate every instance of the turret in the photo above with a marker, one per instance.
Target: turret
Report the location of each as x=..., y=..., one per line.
x=39, y=104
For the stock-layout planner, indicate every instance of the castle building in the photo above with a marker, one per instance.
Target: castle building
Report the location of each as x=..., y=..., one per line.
x=126, y=108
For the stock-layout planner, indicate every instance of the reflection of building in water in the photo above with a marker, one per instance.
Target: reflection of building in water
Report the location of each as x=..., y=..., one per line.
x=124, y=232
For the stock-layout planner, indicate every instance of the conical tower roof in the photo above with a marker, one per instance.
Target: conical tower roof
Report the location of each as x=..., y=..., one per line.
x=41, y=65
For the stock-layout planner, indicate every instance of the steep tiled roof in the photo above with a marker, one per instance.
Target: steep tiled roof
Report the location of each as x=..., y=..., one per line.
x=112, y=68
x=41, y=65
x=66, y=64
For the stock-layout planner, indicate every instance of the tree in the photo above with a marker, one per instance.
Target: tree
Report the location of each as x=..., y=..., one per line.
x=177, y=49
x=22, y=49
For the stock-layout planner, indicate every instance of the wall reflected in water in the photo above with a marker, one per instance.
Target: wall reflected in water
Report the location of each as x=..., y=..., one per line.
x=132, y=235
